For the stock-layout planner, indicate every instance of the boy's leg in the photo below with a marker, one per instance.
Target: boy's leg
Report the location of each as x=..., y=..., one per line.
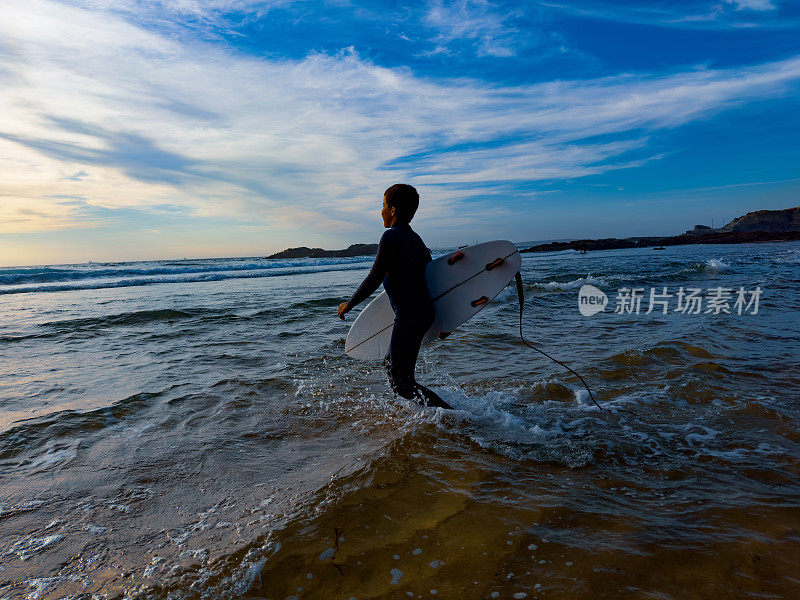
x=403, y=351
x=402, y=360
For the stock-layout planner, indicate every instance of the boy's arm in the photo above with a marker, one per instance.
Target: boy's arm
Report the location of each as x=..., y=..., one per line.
x=372, y=280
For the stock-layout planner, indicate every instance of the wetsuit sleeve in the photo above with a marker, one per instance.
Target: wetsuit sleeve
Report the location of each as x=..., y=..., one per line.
x=376, y=274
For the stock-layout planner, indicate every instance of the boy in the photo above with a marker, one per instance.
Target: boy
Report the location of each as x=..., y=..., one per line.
x=400, y=264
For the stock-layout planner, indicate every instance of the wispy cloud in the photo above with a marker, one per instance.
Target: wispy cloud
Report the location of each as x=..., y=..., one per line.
x=99, y=107
x=474, y=21
x=752, y=4
x=699, y=14
x=214, y=13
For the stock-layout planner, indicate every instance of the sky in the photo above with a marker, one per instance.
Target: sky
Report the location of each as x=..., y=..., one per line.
x=196, y=128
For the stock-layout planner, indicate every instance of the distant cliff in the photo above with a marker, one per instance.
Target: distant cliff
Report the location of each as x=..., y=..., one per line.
x=304, y=252
x=787, y=219
x=758, y=226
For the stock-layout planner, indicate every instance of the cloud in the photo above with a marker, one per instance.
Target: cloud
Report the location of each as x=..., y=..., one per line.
x=757, y=5
x=79, y=176
x=98, y=107
x=214, y=13
x=134, y=154
x=474, y=21
x=28, y=215
x=728, y=14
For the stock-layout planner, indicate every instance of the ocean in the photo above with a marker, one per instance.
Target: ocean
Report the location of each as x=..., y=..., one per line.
x=193, y=429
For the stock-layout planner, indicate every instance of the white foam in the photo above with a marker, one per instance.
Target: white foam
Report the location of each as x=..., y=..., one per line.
x=154, y=566
x=788, y=257
x=53, y=454
x=92, y=528
x=40, y=585
x=87, y=279
x=27, y=547
x=695, y=437
x=717, y=264
x=20, y=508
x=564, y=286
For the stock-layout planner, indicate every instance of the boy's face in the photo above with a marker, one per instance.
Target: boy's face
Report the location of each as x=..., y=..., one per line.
x=387, y=214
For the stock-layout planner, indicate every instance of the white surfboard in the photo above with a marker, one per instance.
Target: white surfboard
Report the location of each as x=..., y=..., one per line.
x=460, y=284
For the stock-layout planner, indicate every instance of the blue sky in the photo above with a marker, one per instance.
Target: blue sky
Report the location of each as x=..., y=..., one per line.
x=170, y=128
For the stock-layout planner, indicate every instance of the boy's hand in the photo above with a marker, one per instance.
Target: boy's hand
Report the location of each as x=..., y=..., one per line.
x=343, y=310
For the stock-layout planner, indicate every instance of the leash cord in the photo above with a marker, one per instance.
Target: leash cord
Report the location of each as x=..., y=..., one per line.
x=521, y=296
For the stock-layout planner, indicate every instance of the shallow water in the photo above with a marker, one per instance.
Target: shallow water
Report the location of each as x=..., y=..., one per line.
x=191, y=429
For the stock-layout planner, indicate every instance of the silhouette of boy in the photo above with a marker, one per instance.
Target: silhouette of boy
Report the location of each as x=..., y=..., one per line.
x=400, y=265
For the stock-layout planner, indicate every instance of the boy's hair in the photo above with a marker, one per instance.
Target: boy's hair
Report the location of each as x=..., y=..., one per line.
x=405, y=199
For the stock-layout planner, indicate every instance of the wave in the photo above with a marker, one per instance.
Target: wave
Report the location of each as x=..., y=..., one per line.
x=56, y=328
x=559, y=286
x=192, y=276
x=680, y=272
x=62, y=427
x=712, y=265
x=130, y=318
x=63, y=273
x=788, y=257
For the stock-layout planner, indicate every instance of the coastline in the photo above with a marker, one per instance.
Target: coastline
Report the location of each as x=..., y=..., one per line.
x=742, y=237
x=757, y=226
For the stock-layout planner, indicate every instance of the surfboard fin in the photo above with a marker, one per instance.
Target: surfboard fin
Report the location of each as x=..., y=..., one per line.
x=479, y=301
x=455, y=258
x=495, y=263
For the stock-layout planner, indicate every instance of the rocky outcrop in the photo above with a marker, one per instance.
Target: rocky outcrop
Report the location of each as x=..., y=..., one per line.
x=787, y=219
x=758, y=226
x=305, y=252
x=700, y=230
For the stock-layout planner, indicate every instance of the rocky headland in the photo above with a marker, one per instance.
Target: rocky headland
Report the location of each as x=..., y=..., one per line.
x=758, y=226
x=305, y=252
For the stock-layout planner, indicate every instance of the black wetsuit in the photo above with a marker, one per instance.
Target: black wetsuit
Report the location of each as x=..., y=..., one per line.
x=400, y=266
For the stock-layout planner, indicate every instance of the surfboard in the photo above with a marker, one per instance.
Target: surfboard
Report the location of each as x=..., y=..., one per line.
x=461, y=284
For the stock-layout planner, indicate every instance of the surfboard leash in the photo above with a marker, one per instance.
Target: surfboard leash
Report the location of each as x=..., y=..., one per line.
x=521, y=296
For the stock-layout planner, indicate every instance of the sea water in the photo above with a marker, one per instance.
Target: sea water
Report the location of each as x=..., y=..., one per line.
x=192, y=429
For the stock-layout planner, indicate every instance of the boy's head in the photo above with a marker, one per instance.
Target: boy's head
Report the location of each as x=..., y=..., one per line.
x=405, y=201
